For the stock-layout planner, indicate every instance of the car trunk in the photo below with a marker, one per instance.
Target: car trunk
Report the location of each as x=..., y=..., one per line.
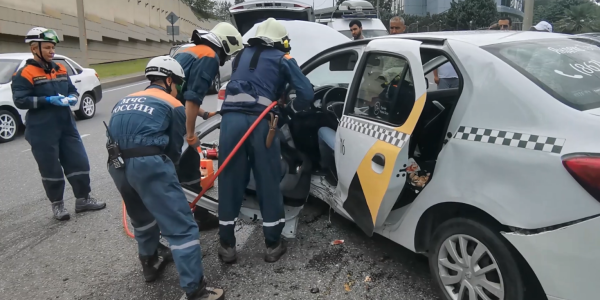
x=246, y=14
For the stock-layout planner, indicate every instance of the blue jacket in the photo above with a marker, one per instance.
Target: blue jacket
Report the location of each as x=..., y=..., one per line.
x=200, y=64
x=32, y=84
x=149, y=118
x=252, y=90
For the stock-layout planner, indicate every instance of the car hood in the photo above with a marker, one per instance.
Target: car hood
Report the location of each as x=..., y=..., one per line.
x=306, y=38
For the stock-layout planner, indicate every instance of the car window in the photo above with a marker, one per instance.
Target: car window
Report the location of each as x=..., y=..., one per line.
x=338, y=70
x=386, y=92
x=367, y=33
x=7, y=68
x=567, y=69
x=64, y=63
x=77, y=68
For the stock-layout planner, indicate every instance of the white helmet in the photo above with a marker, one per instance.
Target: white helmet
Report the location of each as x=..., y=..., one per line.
x=225, y=36
x=272, y=33
x=41, y=34
x=165, y=66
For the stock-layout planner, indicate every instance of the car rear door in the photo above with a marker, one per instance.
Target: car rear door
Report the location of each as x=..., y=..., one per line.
x=371, y=151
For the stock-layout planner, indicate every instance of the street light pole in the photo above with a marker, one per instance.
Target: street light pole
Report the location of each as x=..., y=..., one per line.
x=82, y=34
x=528, y=18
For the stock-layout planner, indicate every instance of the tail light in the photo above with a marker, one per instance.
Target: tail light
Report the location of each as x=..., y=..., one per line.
x=97, y=75
x=585, y=168
x=298, y=5
x=221, y=95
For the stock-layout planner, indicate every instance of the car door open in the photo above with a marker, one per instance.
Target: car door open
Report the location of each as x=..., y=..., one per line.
x=384, y=104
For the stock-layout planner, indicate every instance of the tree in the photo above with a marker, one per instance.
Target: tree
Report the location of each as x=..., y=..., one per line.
x=238, y=1
x=580, y=19
x=203, y=9
x=553, y=11
x=221, y=10
x=471, y=14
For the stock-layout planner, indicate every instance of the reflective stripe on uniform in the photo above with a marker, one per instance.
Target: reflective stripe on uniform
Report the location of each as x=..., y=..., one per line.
x=144, y=228
x=226, y=223
x=35, y=102
x=272, y=224
x=49, y=80
x=186, y=245
x=53, y=179
x=78, y=173
x=240, y=98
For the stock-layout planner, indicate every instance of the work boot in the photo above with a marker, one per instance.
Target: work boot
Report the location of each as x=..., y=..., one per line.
x=275, y=252
x=153, y=266
x=227, y=253
x=88, y=203
x=206, y=293
x=59, y=210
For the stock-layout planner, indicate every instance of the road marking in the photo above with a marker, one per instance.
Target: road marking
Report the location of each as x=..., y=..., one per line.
x=25, y=150
x=84, y=135
x=124, y=87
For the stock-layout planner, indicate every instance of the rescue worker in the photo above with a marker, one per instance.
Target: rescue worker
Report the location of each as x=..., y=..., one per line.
x=201, y=64
x=44, y=88
x=145, y=138
x=260, y=74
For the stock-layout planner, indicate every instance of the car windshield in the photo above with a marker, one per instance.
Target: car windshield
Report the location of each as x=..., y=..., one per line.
x=367, y=33
x=567, y=69
x=7, y=68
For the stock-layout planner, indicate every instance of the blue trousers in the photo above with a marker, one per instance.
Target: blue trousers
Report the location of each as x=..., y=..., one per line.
x=233, y=180
x=58, y=150
x=156, y=204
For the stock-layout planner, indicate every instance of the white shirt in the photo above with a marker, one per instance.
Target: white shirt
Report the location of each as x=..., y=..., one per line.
x=447, y=71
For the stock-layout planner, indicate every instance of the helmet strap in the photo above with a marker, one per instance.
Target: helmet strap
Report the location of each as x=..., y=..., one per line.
x=47, y=65
x=167, y=86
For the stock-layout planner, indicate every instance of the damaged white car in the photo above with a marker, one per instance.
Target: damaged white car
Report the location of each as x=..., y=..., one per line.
x=496, y=181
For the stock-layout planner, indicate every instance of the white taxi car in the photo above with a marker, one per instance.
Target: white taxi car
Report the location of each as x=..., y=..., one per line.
x=497, y=181
x=11, y=118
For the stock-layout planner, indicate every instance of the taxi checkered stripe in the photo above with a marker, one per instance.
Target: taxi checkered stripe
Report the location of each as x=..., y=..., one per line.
x=511, y=139
x=392, y=137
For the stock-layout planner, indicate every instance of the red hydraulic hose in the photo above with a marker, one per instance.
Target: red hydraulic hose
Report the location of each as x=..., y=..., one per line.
x=214, y=177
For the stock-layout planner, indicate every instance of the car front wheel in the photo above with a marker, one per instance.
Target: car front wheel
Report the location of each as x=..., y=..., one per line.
x=216, y=84
x=87, y=109
x=9, y=126
x=469, y=261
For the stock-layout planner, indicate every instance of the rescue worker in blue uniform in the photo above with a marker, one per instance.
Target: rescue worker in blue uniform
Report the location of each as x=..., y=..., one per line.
x=44, y=88
x=201, y=64
x=260, y=74
x=145, y=137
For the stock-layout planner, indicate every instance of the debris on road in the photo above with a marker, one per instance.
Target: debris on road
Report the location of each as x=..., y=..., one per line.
x=349, y=283
x=314, y=290
x=337, y=242
x=368, y=279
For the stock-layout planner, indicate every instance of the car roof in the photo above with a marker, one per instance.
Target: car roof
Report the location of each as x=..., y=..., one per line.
x=482, y=37
x=23, y=56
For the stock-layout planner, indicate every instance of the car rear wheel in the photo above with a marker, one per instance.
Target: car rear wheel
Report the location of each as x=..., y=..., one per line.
x=216, y=84
x=469, y=261
x=87, y=109
x=9, y=126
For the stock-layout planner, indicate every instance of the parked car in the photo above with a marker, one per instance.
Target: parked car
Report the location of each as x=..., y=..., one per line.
x=496, y=181
x=339, y=18
x=86, y=81
x=244, y=15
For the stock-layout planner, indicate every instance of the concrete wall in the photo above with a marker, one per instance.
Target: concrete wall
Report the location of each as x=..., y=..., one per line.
x=116, y=29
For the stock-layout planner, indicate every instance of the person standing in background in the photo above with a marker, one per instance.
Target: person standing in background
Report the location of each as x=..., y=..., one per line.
x=397, y=25
x=445, y=76
x=356, y=29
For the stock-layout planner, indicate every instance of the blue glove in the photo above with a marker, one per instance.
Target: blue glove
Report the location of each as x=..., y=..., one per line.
x=72, y=100
x=57, y=100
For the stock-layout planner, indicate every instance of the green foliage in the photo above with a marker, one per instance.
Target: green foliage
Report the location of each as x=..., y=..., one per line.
x=203, y=9
x=238, y=1
x=580, y=19
x=221, y=10
x=553, y=11
x=471, y=14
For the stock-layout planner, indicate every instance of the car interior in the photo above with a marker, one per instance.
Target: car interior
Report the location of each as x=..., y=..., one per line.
x=388, y=98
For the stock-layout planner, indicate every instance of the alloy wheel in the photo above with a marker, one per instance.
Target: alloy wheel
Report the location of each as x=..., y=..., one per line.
x=217, y=83
x=88, y=106
x=468, y=270
x=8, y=127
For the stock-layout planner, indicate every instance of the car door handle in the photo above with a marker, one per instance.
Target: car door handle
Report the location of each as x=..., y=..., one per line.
x=77, y=81
x=379, y=159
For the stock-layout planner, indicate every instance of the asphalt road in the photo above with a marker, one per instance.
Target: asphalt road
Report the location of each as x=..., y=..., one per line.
x=90, y=257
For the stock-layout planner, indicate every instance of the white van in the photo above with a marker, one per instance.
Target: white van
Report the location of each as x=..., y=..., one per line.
x=244, y=15
x=339, y=18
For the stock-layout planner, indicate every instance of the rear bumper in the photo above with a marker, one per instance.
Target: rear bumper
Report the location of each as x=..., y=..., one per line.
x=98, y=93
x=566, y=261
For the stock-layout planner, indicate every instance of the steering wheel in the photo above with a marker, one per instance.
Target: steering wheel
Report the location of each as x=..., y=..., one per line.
x=328, y=103
x=289, y=100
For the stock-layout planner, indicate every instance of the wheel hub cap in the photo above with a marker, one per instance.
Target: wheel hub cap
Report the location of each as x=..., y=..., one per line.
x=467, y=270
x=8, y=127
x=88, y=106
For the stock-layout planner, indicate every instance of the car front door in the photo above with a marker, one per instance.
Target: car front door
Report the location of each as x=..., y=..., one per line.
x=75, y=77
x=383, y=106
